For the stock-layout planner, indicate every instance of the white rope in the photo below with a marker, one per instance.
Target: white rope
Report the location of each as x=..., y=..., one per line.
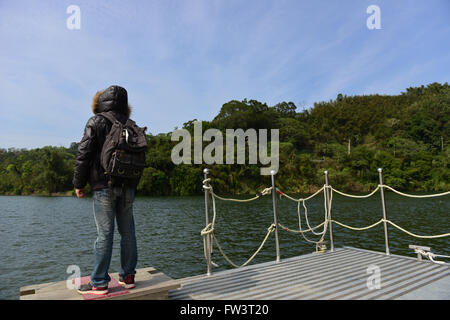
x=325, y=223
x=327, y=216
x=325, y=227
x=209, y=229
x=356, y=228
x=302, y=199
x=392, y=189
x=307, y=220
x=415, y=196
x=269, y=231
x=441, y=255
x=416, y=235
x=310, y=229
x=353, y=196
x=435, y=261
x=262, y=193
x=388, y=221
x=431, y=256
x=299, y=231
x=393, y=224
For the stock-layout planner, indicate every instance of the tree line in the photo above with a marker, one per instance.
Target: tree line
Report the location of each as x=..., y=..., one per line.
x=350, y=136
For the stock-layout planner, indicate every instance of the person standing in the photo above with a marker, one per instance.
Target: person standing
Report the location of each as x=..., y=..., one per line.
x=113, y=198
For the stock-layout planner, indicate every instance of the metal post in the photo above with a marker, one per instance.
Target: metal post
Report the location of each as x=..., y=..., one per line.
x=383, y=204
x=275, y=217
x=208, y=236
x=330, y=224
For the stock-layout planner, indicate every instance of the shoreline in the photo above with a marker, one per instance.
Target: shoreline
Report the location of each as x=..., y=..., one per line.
x=311, y=190
x=55, y=194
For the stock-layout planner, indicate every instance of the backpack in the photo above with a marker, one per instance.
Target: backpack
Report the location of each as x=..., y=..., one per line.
x=123, y=153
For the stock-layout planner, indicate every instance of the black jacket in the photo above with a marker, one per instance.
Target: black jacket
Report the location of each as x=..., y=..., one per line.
x=87, y=165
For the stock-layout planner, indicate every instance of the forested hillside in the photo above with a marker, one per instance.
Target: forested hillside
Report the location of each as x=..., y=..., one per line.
x=407, y=135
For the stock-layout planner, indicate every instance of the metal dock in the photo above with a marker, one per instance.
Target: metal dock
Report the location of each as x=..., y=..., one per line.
x=339, y=275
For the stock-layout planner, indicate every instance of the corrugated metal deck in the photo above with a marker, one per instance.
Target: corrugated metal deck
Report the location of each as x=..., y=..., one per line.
x=341, y=274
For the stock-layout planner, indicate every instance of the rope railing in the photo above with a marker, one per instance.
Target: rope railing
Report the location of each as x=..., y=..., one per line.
x=209, y=229
x=208, y=232
x=358, y=228
x=310, y=229
x=354, y=196
x=393, y=190
x=416, y=235
x=416, y=196
x=258, y=195
x=269, y=231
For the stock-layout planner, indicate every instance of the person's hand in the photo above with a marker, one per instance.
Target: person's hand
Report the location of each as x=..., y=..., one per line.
x=80, y=193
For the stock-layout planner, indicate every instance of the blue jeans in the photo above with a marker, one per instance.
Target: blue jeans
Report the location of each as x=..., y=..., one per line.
x=112, y=204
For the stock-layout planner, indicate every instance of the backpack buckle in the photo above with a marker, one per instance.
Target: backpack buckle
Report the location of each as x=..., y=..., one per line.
x=126, y=134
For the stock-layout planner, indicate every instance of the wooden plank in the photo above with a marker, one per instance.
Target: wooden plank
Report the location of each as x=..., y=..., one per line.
x=150, y=284
x=158, y=283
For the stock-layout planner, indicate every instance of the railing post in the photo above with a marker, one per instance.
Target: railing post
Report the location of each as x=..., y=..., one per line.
x=275, y=217
x=208, y=236
x=328, y=209
x=383, y=204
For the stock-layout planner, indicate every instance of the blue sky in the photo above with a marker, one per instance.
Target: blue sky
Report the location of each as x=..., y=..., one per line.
x=181, y=60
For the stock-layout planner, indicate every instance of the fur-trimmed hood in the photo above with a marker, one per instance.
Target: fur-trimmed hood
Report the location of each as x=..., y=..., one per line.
x=114, y=98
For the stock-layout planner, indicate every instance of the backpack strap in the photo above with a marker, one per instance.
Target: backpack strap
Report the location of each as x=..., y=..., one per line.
x=130, y=122
x=109, y=117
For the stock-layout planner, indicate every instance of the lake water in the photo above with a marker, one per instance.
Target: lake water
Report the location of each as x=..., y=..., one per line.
x=42, y=236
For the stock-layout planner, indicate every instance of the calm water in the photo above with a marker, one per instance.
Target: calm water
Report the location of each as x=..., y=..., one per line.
x=42, y=236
